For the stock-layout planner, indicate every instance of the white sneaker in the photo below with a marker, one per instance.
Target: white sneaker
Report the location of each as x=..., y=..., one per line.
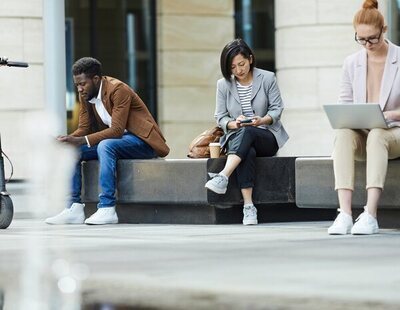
x=218, y=184
x=342, y=224
x=249, y=215
x=72, y=215
x=365, y=224
x=103, y=216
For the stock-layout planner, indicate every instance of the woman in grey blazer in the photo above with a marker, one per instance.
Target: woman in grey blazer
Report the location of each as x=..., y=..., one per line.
x=248, y=109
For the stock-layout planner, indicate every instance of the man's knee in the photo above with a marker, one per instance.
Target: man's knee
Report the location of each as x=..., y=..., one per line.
x=104, y=146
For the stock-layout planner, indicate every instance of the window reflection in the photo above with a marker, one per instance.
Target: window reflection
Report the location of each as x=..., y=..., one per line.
x=121, y=34
x=255, y=23
x=393, y=21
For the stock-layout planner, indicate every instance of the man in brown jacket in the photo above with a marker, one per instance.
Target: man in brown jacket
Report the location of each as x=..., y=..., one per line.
x=114, y=123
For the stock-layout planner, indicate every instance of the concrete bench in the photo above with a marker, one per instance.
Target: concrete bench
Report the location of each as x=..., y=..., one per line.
x=172, y=191
x=315, y=184
x=157, y=181
x=181, y=181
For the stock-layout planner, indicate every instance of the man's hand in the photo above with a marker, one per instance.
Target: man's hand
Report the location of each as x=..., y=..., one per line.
x=76, y=141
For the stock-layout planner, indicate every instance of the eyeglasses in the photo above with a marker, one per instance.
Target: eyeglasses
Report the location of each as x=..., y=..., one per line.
x=364, y=41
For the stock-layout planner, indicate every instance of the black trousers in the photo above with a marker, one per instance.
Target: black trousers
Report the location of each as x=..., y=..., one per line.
x=248, y=143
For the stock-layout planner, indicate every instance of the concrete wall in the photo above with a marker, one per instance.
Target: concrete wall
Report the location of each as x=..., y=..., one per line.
x=312, y=39
x=21, y=90
x=191, y=35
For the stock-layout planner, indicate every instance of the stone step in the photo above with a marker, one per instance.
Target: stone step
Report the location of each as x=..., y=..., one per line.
x=315, y=184
x=181, y=181
x=172, y=191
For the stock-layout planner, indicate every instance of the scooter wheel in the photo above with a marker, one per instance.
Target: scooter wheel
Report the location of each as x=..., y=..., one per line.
x=6, y=212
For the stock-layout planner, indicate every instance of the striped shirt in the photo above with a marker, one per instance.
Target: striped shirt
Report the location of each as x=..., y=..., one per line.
x=245, y=99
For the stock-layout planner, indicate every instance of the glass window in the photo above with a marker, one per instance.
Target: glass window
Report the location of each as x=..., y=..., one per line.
x=254, y=23
x=393, y=21
x=119, y=33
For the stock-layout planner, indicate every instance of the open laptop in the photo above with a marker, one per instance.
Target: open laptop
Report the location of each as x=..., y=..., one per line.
x=356, y=116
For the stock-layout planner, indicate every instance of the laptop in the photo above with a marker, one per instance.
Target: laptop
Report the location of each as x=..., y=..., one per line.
x=356, y=116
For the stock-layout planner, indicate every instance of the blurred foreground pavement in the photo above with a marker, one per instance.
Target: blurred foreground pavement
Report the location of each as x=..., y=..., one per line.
x=268, y=266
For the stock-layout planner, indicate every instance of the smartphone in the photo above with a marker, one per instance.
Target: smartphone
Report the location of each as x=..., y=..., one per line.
x=246, y=121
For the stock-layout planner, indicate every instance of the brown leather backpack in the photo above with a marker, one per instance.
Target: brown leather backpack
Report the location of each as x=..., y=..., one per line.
x=199, y=147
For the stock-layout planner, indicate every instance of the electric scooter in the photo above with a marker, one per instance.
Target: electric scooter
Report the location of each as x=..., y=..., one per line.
x=6, y=206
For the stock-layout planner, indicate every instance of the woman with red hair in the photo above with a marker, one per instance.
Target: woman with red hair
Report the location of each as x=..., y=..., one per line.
x=369, y=76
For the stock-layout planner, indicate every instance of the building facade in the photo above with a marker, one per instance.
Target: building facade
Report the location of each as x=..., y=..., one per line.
x=168, y=50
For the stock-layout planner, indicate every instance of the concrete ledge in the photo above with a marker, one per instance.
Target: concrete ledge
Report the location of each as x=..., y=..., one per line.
x=159, y=181
x=207, y=214
x=315, y=184
x=181, y=181
x=172, y=191
x=275, y=182
x=162, y=181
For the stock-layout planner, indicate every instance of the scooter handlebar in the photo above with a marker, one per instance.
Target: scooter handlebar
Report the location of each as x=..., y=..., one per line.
x=5, y=62
x=17, y=64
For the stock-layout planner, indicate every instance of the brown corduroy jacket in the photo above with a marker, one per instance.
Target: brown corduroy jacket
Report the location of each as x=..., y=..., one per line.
x=127, y=111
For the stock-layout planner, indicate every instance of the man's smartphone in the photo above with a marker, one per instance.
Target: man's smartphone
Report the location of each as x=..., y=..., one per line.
x=246, y=121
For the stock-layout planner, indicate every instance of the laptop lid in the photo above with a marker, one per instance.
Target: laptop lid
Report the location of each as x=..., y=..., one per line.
x=355, y=116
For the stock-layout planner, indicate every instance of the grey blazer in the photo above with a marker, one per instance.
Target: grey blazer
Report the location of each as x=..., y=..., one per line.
x=265, y=99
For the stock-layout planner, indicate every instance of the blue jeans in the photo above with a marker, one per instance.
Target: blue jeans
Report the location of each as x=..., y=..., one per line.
x=108, y=152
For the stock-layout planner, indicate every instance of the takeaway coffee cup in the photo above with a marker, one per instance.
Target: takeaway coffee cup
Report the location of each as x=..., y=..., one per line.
x=215, y=149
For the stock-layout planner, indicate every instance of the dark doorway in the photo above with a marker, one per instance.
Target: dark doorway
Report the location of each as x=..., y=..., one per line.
x=121, y=35
x=255, y=23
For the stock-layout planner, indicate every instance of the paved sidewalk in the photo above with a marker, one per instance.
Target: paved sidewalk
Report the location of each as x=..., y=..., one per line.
x=268, y=266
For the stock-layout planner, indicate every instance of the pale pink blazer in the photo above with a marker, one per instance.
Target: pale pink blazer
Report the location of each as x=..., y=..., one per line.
x=353, y=88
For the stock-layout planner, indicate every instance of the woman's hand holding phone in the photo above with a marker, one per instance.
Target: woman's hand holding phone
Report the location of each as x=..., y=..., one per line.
x=246, y=121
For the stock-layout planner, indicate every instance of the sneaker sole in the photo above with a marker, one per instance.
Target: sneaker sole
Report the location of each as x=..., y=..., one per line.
x=215, y=189
x=65, y=223
x=69, y=223
x=360, y=232
x=339, y=232
x=250, y=222
x=101, y=223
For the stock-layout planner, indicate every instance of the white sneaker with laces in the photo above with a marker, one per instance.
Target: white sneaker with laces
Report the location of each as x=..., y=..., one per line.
x=249, y=215
x=365, y=224
x=103, y=216
x=72, y=215
x=218, y=184
x=342, y=224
